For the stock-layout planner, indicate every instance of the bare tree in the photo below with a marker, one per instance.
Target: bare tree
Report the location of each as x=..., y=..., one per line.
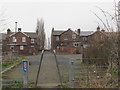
x=111, y=25
x=41, y=33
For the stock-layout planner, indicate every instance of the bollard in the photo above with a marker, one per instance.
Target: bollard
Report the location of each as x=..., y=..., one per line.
x=25, y=74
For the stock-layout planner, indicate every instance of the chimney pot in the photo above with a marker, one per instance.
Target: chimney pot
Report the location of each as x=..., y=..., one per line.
x=69, y=28
x=8, y=31
x=78, y=31
x=19, y=29
x=98, y=28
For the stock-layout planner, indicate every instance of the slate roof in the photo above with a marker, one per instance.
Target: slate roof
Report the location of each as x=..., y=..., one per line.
x=57, y=32
x=82, y=33
x=86, y=33
x=31, y=34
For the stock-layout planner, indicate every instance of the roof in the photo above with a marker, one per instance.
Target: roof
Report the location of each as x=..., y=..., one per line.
x=4, y=35
x=86, y=33
x=82, y=33
x=57, y=32
x=31, y=34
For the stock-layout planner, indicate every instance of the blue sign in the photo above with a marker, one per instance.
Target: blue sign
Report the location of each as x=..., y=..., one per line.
x=25, y=65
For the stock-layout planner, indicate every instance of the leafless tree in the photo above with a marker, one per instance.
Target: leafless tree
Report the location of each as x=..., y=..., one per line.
x=111, y=25
x=41, y=33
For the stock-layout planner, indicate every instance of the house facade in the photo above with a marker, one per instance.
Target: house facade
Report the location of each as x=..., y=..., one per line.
x=70, y=41
x=22, y=43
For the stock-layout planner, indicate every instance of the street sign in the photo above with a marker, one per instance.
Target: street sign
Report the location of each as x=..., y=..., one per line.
x=25, y=66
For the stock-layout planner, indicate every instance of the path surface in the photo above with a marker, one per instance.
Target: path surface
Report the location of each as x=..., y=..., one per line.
x=48, y=76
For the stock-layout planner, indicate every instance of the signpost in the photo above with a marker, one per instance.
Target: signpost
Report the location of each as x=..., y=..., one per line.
x=25, y=74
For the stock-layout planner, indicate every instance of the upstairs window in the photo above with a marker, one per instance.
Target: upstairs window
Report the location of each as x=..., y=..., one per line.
x=23, y=39
x=66, y=37
x=14, y=39
x=57, y=38
x=74, y=36
x=32, y=40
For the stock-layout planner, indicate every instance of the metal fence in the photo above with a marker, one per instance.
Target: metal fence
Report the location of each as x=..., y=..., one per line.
x=92, y=75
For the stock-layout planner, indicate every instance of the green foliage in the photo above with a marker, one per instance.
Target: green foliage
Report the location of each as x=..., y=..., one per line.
x=12, y=86
x=10, y=63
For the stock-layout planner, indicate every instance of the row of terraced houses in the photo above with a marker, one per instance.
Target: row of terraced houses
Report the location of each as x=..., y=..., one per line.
x=63, y=41
x=70, y=41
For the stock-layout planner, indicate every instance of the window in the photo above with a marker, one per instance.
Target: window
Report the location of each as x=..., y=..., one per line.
x=21, y=47
x=67, y=44
x=11, y=47
x=23, y=39
x=74, y=36
x=84, y=38
x=66, y=37
x=57, y=38
x=76, y=44
x=14, y=39
x=32, y=46
x=32, y=40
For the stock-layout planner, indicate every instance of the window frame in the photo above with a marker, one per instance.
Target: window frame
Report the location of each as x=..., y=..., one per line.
x=57, y=38
x=21, y=48
x=66, y=36
x=74, y=36
x=14, y=39
x=23, y=39
x=32, y=40
x=76, y=44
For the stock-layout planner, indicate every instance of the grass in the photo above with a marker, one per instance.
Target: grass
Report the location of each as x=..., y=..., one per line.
x=19, y=84
x=11, y=63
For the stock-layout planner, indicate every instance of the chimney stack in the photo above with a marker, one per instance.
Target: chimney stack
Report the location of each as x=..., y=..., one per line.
x=69, y=28
x=19, y=29
x=8, y=31
x=98, y=28
x=78, y=31
x=52, y=29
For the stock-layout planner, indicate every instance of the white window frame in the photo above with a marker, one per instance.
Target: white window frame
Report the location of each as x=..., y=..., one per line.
x=21, y=47
x=23, y=39
x=66, y=36
x=57, y=38
x=76, y=44
x=32, y=46
x=74, y=36
x=84, y=38
x=11, y=47
x=14, y=39
x=32, y=40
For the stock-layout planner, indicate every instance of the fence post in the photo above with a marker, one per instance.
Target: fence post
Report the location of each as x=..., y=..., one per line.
x=25, y=74
x=71, y=74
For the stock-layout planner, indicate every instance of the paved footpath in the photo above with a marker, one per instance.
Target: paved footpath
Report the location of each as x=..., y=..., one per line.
x=48, y=76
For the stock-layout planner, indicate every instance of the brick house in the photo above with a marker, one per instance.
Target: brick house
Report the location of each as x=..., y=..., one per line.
x=23, y=43
x=75, y=41
x=68, y=41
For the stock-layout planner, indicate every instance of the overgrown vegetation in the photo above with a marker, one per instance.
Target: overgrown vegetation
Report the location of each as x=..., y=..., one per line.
x=9, y=60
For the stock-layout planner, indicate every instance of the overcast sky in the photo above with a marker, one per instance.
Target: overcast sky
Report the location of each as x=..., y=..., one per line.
x=61, y=14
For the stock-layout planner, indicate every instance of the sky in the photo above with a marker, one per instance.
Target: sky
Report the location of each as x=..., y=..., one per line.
x=60, y=14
